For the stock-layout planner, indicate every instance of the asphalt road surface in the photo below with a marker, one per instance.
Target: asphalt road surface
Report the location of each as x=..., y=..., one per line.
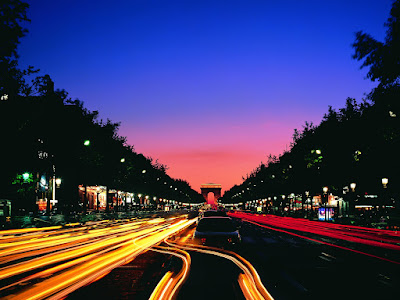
x=289, y=267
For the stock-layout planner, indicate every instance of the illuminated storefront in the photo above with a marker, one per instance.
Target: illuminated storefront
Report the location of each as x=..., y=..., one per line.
x=95, y=196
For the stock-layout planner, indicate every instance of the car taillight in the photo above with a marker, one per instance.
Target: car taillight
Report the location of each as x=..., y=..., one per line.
x=203, y=240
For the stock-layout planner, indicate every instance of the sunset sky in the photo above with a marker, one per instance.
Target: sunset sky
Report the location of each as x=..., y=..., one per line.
x=208, y=88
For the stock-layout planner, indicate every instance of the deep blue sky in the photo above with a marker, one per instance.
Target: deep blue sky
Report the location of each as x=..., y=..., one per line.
x=208, y=87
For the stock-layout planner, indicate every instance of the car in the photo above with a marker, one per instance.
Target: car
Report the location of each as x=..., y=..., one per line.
x=211, y=213
x=217, y=231
x=214, y=213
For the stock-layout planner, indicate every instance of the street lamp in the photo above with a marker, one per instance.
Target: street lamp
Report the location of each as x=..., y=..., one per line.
x=53, y=190
x=155, y=202
x=385, y=182
x=97, y=198
x=307, y=193
x=353, y=198
x=140, y=200
x=25, y=176
x=325, y=190
x=292, y=203
x=58, y=182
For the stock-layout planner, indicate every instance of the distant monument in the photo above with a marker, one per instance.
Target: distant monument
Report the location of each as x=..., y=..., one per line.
x=211, y=188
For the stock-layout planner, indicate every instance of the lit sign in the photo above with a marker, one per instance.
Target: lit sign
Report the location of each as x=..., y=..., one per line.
x=43, y=183
x=330, y=212
x=371, y=196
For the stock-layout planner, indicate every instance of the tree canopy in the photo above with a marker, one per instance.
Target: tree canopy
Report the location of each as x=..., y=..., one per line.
x=382, y=58
x=357, y=143
x=42, y=128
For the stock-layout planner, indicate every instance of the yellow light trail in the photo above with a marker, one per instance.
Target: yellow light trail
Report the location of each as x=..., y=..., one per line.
x=160, y=289
x=48, y=242
x=244, y=285
x=250, y=279
x=89, y=254
x=163, y=290
x=74, y=243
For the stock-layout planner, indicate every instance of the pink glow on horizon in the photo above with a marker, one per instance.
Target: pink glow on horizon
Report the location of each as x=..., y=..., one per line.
x=212, y=153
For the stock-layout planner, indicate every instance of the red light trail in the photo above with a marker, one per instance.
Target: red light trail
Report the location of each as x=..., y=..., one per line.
x=367, y=236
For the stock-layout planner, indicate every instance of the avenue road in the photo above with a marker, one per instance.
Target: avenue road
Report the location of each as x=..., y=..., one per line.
x=279, y=258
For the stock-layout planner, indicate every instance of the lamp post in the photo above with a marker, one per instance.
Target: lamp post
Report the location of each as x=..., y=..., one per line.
x=107, y=204
x=86, y=143
x=26, y=176
x=97, y=199
x=325, y=195
x=140, y=201
x=385, y=181
x=294, y=204
x=353, y=197
x=53, y=189
x=307, y=193
x=117, y=203
x=58, y=182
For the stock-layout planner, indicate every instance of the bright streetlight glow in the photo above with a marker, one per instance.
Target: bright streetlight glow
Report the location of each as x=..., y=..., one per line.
x=385, y=182
x=353, y=186
x=325, y=189
x=144, y=171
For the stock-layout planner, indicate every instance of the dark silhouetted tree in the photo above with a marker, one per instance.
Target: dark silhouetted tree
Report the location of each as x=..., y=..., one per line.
x=382, y=58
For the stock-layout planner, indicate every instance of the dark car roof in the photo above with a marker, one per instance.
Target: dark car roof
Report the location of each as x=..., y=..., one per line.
x=215, y=224
x=215, y=213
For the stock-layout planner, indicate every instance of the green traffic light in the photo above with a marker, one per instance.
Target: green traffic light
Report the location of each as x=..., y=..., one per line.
x=25, y=176
x=86, y=142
